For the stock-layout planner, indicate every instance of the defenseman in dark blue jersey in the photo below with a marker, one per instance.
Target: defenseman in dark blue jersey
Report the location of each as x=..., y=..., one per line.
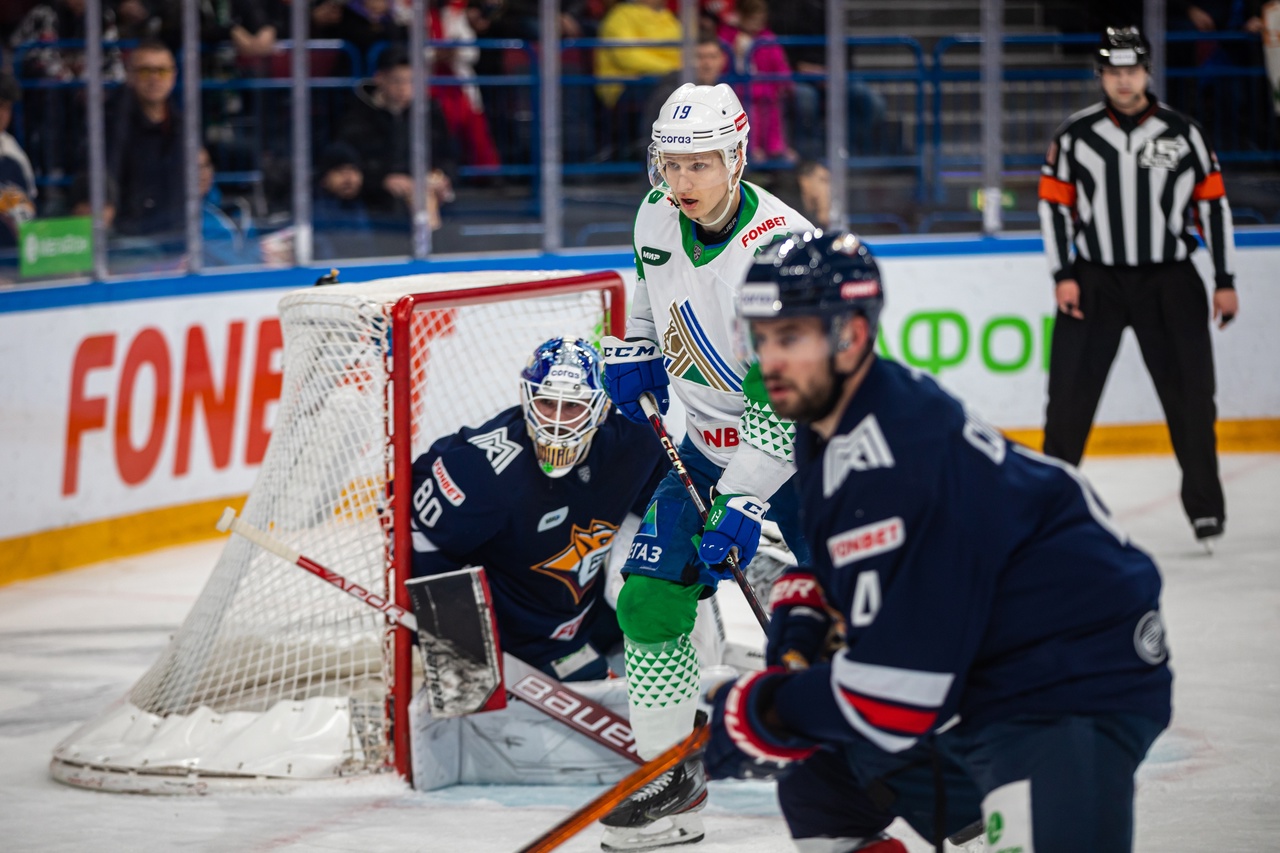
x=536, y=496
x=1003, y=655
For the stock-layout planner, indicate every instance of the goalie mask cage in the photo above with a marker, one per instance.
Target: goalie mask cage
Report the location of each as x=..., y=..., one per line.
x=276, y=677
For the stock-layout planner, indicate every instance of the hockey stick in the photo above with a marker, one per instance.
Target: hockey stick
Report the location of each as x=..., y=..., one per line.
x=606, y=802
x=677, y=464
x=531, y=685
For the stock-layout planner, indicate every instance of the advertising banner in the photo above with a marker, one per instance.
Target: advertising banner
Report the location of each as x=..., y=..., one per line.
x=120, y=411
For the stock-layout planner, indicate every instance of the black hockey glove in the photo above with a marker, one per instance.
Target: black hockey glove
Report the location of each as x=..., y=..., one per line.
x=802, y=629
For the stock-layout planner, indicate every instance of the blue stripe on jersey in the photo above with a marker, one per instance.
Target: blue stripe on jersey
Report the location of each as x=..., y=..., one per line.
x=704, y=344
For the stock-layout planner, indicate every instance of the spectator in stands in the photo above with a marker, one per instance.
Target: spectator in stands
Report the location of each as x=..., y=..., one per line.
x=17, y=181
x=79, y=204
x=461, y=105
x=866, y=107
x=256, y=25
x=814, y=179
x=340, y=221
x=709, y=64
x=365, y=23
x=145, y=149
x=1219, y=94
x=756, y=52
x=64, y=20
x=224, y=242
x=377, y=126
x=634, y=21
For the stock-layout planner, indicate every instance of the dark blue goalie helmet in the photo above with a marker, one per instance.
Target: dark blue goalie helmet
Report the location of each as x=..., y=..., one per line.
x=564, y=402
x=814, y=274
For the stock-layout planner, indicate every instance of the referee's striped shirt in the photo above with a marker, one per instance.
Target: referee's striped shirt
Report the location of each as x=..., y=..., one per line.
x=1119, y=190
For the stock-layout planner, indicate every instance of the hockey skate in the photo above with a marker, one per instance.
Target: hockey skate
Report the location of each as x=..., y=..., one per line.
x=1208, y=531
x=661, y=814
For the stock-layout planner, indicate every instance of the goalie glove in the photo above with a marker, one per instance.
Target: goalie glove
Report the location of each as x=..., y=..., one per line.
x=632, y=369
x=742, y=744
x=802, y=629
x=732, y=522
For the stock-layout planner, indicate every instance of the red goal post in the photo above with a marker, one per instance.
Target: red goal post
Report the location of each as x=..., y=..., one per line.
x=613, y=295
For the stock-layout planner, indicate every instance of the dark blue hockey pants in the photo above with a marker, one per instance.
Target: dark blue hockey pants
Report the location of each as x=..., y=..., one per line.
x=1064, y=784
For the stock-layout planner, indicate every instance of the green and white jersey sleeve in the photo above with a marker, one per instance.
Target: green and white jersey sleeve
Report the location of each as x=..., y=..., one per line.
x=685, y=299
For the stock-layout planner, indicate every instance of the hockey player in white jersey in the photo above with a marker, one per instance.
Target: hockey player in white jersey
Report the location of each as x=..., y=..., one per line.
x=696, y=234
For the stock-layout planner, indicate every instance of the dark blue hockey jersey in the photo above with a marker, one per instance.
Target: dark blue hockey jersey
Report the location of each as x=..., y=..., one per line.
x=481, y=500
x=976, y=577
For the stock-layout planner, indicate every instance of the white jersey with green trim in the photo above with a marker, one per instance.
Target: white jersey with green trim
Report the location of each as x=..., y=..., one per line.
x=685, y=300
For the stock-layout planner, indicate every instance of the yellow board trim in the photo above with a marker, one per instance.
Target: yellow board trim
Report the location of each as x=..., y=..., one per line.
x=1260, y=435
x=49, y=551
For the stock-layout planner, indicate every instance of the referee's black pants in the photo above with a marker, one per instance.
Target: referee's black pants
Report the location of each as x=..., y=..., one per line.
x=1168, y=309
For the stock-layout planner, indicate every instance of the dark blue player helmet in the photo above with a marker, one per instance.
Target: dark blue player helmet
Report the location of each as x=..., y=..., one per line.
x=820, y=274
x=564, y=402
x=1121, y=47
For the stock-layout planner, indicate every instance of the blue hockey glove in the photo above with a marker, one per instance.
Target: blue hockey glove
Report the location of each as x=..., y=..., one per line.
x=732, y=522
x=631, y=369
x=742, y=745
x=800, y=623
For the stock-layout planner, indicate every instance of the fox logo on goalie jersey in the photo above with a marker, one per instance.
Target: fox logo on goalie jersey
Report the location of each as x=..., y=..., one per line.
x=544, y=539
x=579, y=564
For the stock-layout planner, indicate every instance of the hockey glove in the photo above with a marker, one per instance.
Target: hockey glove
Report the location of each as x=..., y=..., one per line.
x=742, y=745
x=631, y=369
x=732, y=522
x=801, y=626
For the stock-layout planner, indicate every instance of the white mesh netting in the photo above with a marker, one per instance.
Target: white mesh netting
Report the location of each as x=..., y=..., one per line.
x=276, y=674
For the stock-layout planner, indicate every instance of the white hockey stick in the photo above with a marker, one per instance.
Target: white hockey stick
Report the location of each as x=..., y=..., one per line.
x=585, y=716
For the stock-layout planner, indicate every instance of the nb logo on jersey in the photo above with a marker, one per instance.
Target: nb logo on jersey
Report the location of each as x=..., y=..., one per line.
x=498, y=449
x=579, y=564
x=860, y=450
x=721, y=437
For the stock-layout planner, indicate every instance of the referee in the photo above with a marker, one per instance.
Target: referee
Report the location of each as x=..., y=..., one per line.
x=1123, y=184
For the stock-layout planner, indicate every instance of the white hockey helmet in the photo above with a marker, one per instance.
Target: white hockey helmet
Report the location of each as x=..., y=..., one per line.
x=696, y=119
x=564, y=402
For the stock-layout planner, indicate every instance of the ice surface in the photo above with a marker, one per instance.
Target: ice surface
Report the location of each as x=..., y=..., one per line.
x=72, y=643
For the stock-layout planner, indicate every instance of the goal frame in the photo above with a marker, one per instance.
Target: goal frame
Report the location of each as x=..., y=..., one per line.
x=613, y=294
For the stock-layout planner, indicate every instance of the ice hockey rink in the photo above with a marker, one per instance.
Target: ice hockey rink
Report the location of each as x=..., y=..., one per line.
x=71, y=643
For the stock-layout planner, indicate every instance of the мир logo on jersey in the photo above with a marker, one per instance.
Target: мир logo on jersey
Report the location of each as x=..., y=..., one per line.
x=579, y=564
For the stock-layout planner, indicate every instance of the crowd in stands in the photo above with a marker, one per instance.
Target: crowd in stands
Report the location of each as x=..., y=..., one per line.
x=361, y=96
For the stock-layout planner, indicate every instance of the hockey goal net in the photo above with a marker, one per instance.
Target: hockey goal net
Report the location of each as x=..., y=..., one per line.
x=277, y=677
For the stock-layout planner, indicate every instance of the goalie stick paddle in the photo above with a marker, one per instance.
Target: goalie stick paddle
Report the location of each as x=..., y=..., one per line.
x=606, y=802
x=677, y=464
x=531, y=685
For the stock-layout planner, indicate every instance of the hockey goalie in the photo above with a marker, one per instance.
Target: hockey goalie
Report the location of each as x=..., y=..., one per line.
x=515, y=523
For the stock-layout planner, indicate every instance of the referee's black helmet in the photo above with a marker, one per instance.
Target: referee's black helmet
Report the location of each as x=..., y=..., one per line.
x=1121, y=47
